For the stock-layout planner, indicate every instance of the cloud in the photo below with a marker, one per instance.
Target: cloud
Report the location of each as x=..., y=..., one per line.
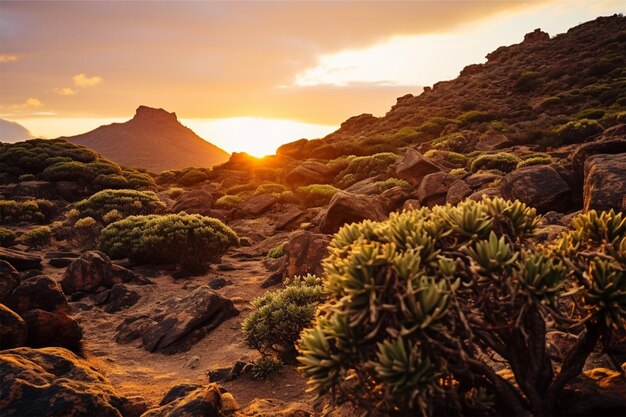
x=81, y=80
x=33, y=102
x=65, y=91
x=8, y=58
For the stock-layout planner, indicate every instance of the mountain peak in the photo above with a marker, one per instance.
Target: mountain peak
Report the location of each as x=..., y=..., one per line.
x=151, y=114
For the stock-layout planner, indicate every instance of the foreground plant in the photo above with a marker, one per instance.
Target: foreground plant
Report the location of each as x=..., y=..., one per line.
x=420, y=306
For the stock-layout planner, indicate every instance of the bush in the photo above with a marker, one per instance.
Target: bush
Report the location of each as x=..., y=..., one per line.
x=69, y=171
x=459, y=160
x=594, y=114
x=549, y=102
x=85, y=232
x=278, y=317
x=390, y=183
x=578, y=131
x=270, y=189
x=7, y=237
x=126, y=202
x=501, y=161
x=265, y=366
x=111, y=181
x=417, y=305
x=475, y=116
x=228, y=202
x=276, y=252
x=435, y=125
x=316, y=195
x=26, y=177
x=528, y=81
x=362, y=167
x=535, y=160
x=175, y=192
x=34, y=211
x=455, y=142
x=37, y=237
x=189, y=240
x=193, y=176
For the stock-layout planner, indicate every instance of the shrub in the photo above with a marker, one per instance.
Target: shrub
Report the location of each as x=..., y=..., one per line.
x=189, y=240
x=276, y=251
x=26, y=177
x=435, y=125
x=34, y=211
x=501, y=161
x=126, y=202
x=578, y=131
x=265, y=366
x=417, y=305
x=535, y=160
x=316, y=195
x=69, y=171
x=111, y=181
x=192, y=176
x=591, y=114
x=7, y=237
x=278, y=317
x=549, y=102
x=37, y=237
x=390, y=183
x=528, y=81
x=175, y=192
x=85, y=231
x=475, y=116
x=112, y=216
x=139, y=180
x=455, y=142
x=228, y=202
x=271, y=188
x=362, y=167
x=457, y=159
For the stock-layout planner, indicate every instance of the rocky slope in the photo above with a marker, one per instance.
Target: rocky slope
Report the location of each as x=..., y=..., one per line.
x=154, y=140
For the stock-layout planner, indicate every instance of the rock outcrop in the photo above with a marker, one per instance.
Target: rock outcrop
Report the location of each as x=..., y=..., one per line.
x=539, y=186
x=349, y=208
x=605, y=182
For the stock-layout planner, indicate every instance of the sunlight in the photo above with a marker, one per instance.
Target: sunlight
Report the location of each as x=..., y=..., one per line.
x=256, y=136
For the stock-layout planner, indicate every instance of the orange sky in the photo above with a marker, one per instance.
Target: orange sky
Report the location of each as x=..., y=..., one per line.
x=313, y=62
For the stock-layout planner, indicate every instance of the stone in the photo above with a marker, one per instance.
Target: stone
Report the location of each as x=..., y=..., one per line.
x=433, y=188
x=60, y=262
x=192, y=363
x=38, y=292
x=54, y=382
x=580, y=155
x=52, y=329
x=13, y=330
x=411, y=204
x=35, y=189
x=181, y=323
x=307, y=173
x=178, y=391
x=457, y=192
x=596, y=392
x=396, y=197
x=204, y=401
x=289, y=218
x=230, y=373
x=366, y=186
x=93, y=270
x=491, y=141
x=275, y=408
x=119, y=297
x=193, y=202
x=605, y=182
x=485, y=192
x=70, y=190
x=217, y=283
x=349, y=208
x=539, y=186
x=481, y=178
x=9, y=280
x=22, y=261
x=259, y=204
x=414, y=166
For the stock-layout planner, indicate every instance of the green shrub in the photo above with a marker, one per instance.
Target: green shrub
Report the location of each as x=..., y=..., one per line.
x=362, y=167
x=26, y=177
x=7, y=237
x=501, y=161
x=126, y=202
x=175, y=192
x=69, y=171
x=457, y=159
x=37, y=237
x=390, y=183
x=455, y=142
x=316, y=195
x=111, y=181
x=435, y=125
x=475, y=116
x=286, y=197
x=271, y=188
x=278, y=317
x=276, y=252
x=266, y=366
x=549, y=102
x=85, y=232
x=459, y=171
x=535, y=160
x=193, y=176
x=419, y=304
x=139, y=181
x=34, y=211
x=593, y=114
x=578, y=131
x=189, y=240
x=528, y=81
x=228, y=202
x=112, y=216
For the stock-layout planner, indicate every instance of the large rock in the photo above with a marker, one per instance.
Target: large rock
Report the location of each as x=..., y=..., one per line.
x=181, y=323
x=259, y=204
x=52, y=329
x=457, y=192
x=207, y=401
x=309, y=172
x=349, y=208
x=53, y=382
x=413, y=167
x=614, y=146
x=13, y=330
x=92, y=271
x=38, y=292
x=193, y=201
x=433, y=188
x=119, y=297
x=605, y=182
x=304, y=253
x=9, y=279
x=22, y=261
x=539, y=186
x=491, y=141
x=35, y=189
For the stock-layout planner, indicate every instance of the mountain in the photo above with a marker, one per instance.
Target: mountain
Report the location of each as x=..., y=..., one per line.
x=13, y=132
x=153, y=139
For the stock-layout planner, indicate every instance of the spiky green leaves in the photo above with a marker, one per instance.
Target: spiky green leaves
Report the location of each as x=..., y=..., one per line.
x=606, y=295
x=318, y=362
x=493, y=254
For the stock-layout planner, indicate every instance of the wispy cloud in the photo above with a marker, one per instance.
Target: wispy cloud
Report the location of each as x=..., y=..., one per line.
x=8, y=58
x=82, y=80
x=65, y=91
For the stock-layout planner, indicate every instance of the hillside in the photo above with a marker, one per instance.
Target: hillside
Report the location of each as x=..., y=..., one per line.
x=153, y=139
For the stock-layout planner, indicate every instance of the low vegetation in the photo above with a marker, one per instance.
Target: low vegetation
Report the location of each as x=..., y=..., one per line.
x=191, y=241
x=123, y=202
x=7, y=237
x=316, y=195
x=33, y=211
x=37, y=237
x=501, y=161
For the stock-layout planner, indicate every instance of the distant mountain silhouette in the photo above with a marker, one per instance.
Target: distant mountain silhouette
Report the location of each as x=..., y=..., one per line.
x=13, y=132
x=154, y=139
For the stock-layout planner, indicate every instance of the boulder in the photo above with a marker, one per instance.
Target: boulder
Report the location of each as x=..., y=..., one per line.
x=9, y=279
x=433, y=188
x=22, y=261
x=38, y=292
x=35, y=189
x=13, y=330
x=119, y=297
x=289, y=218
x=206, y=401
x=605, y=182
x=52, y=329
x=259, y=204
x=275, y=408
x=366, y=186
x=413, y=167
x=304, y=253
x=70, y=190
x=182, y=322
x=92, y=271
x=54, y=382
x=614, y=146
x=309, y=172
x=178, y=391
x=193, y=202
x=457, y=192
x=349, y=208
x=491, y=141
x=539, y=186
x=484, y=193
x=481, y=178
x=396, y=197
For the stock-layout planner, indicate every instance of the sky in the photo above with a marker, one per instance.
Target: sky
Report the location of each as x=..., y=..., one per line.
x=248, y=76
